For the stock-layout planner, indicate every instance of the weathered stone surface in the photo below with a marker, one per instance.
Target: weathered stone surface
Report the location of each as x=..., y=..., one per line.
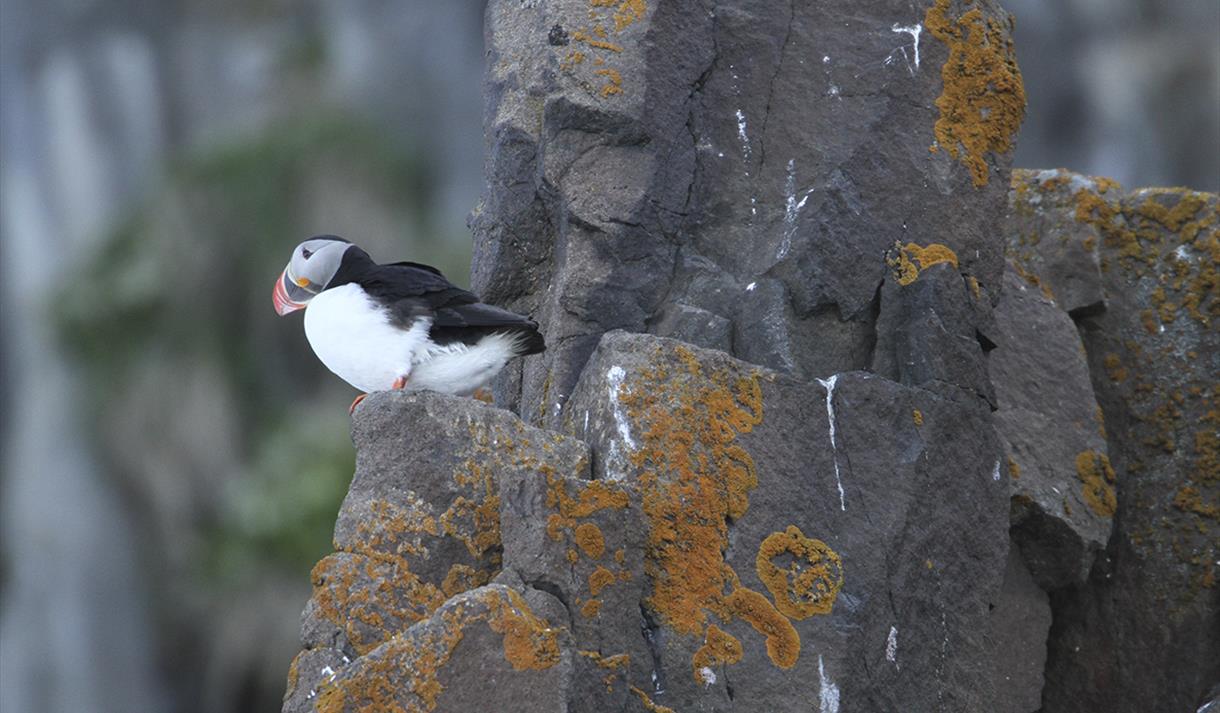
x=693, y=325
x=421, y=521
x=649, y=154
x=928, y=328
x=794, y=530
x=1063, y=493
x=481, y=646
x=1141, y=633
x=1048, y=245
x=1017, y=639
x=582, y=540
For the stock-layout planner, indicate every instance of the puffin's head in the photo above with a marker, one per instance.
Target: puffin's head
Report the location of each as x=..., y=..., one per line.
x=313, y=265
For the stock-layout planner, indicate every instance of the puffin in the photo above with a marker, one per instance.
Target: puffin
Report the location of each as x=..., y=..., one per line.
x=402, y=325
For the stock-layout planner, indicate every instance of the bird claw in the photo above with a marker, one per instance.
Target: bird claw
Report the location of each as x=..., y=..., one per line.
x=399, y=383
x=352, y=409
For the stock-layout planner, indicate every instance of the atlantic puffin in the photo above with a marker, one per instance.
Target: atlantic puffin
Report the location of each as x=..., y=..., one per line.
x=397, y=326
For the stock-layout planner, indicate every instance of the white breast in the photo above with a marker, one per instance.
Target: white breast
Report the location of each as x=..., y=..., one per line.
x=355, y=339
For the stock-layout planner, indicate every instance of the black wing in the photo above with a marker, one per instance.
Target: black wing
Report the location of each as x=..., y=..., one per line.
x=412, y=290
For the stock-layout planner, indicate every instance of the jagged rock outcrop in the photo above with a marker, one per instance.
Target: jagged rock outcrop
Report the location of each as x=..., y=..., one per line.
x=868, y=468
x=1138, y=271
x=1053, y=432
x=695, y=168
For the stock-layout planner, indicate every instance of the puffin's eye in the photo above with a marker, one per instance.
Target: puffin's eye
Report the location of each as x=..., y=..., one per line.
x=306, y=252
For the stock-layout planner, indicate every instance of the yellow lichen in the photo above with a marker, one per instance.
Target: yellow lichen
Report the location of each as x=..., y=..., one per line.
x=1014, y=470
x=1097, y=477
x=591, y=608
x=983, y=100
x=810, y=581
x=917, y=416
x=907, y=261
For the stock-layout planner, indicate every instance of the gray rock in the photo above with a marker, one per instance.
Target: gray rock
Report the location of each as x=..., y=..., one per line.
x=1062, y=502
x=582, y=541
x=1141, y=633
x=1019, y=624
x=675, y=153
x=928, y=328
x=485, y=644
x=421, y=520
x=778, y=559
x=693, y=325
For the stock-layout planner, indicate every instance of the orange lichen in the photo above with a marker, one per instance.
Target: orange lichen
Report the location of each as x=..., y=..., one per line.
x=617, y=661
x=350, y=591
x=983, y=100
x=403, y=674
x=783, y=643
x=599, y=580
x=1014, y=470
x=917, y=416
x=591, y=608
x=590, y=540
x=975, y=288
x=594, y=41
x=648, y=704
x=907, y=261
x=694, y=478
x=529, y=644
x=719, y=647
x=626, y=11
x=1190, y=499
x=1114, y=368
x=1097, y=476
x=615, y=83
x=461, y=578
x=811, y=579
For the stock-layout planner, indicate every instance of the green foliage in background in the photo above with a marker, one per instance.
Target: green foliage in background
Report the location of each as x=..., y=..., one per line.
x=187, y=280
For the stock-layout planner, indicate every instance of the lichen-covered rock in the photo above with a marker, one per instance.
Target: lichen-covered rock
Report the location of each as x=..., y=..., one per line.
x=421, y=521
x=1141, y=633
x=582, y=540
x=484, y=645
x=739, y=158
x=1063, y=486
x=802, y=542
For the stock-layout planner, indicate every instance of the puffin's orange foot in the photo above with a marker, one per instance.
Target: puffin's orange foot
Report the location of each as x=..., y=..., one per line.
x=399, y=383
x=483, y=394
x=352, y=409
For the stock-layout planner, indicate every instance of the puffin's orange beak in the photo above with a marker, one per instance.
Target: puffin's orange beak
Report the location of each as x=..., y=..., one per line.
x=280, y=295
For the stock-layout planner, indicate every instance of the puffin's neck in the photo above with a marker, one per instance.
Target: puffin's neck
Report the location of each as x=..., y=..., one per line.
x=355, y=264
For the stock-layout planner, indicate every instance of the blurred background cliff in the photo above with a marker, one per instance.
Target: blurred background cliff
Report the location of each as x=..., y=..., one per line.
x=173, y=456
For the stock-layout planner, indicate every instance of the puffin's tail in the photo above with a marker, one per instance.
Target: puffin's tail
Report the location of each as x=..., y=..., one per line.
x=529, y=340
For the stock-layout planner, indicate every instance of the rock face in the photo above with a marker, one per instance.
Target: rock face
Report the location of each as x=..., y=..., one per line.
x=1063, y=500
x=858, y=465
x=1141, y=633
x=668, y=167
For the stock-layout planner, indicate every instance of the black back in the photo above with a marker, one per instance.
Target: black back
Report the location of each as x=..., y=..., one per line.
x=410, y=290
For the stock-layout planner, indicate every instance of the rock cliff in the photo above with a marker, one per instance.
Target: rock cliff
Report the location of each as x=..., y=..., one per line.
x=835, y=415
